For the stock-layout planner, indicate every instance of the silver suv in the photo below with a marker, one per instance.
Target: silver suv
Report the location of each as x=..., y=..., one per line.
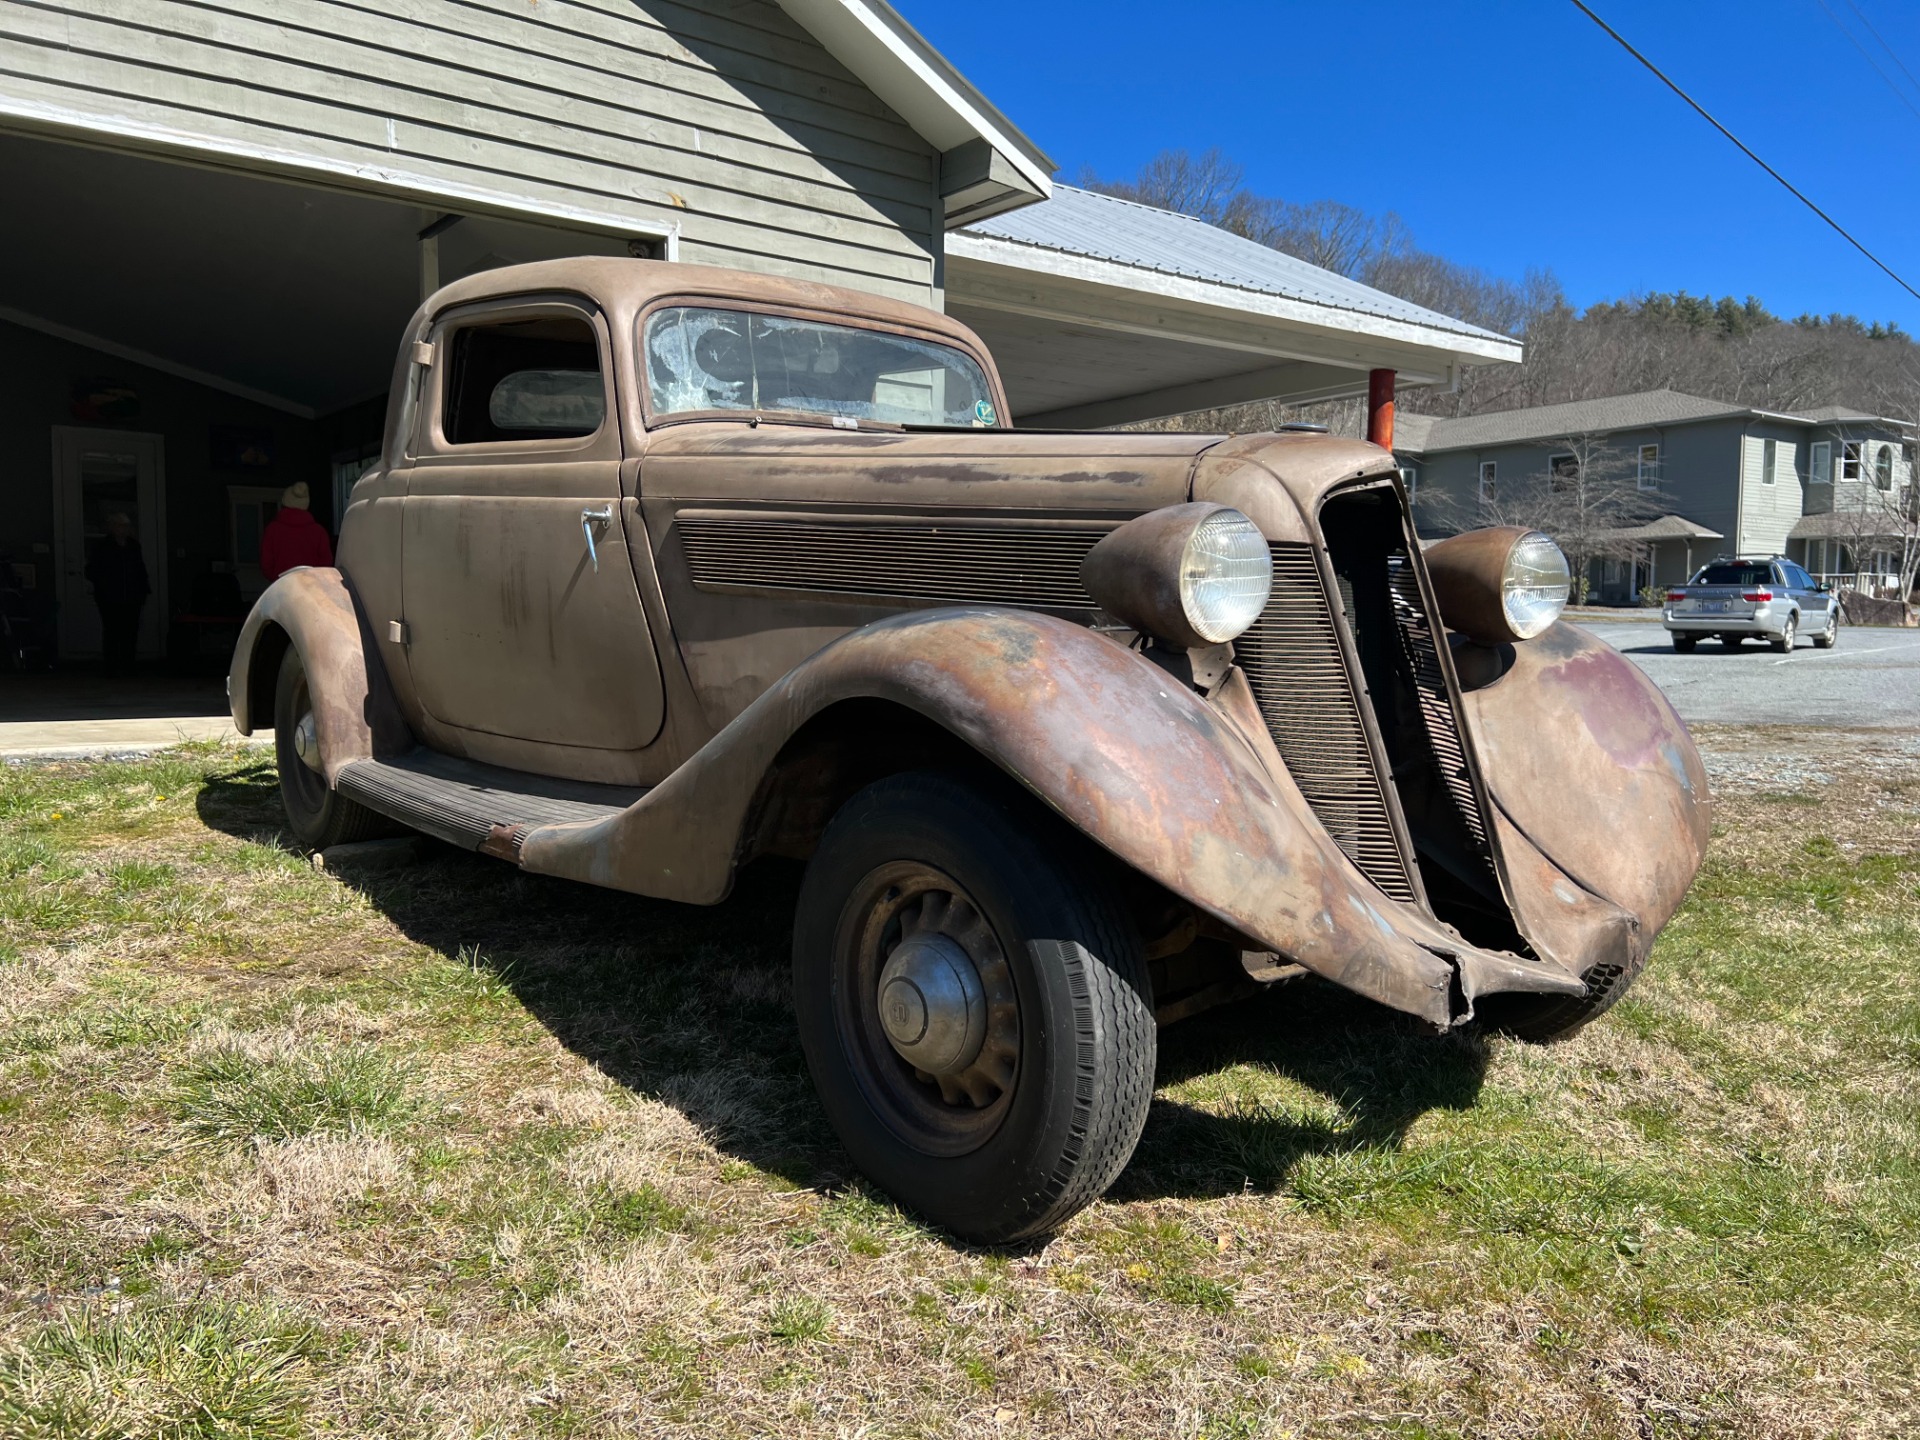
x=1772, y=599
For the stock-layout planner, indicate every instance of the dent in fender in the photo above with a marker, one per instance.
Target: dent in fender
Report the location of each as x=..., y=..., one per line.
x=1587, y=760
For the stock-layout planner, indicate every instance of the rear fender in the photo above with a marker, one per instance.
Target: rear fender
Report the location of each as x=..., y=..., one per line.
x=354, y=712
x=1143, y=765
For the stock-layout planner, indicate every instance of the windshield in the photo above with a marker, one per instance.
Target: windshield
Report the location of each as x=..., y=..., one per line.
x=701, y=359
x=1734, y=575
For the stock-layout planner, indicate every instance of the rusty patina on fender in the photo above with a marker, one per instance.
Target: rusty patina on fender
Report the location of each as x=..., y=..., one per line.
x=354, y=713
x=1137, y=761
x=1585, y=759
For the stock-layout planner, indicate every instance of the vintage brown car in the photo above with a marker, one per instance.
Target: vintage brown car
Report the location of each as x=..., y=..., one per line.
x=667, y=568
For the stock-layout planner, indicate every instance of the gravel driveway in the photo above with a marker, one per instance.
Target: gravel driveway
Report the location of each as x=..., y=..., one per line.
x=1871, y=678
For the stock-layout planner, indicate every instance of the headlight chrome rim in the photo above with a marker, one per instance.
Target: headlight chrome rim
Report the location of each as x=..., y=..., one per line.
x=1535, y=585
x=1226, y=576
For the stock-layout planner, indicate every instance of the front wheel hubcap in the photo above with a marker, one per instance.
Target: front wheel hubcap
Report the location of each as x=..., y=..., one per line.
x=306, y=742
x=932, y=1004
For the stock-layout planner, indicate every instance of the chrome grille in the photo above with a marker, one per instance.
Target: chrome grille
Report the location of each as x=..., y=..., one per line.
x=1420, y=644
x=950, y=564
x=1293, y=662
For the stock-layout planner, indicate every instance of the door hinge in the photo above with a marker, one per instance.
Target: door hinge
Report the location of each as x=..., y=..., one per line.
x=423, y=352
x=397, y=632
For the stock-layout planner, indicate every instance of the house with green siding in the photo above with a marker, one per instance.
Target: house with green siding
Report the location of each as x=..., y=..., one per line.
x=221, y=214
x=1830, y=487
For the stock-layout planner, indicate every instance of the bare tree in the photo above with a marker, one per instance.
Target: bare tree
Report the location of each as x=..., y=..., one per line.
x=1876, y=513
x=1584, y=499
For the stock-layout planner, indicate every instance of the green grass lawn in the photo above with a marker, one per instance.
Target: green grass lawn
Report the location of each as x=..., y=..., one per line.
x=450, y=1150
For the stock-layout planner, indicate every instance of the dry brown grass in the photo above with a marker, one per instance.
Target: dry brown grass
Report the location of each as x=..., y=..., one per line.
x=576, y=1184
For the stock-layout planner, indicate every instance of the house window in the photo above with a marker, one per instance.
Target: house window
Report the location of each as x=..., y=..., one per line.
x=1820, y=470
x=1769, y=461
x=1489, y=480
x=1564, y=470
x=1410, y=477
x=1649, y=467
x=1850, y=460
x=1883, y=468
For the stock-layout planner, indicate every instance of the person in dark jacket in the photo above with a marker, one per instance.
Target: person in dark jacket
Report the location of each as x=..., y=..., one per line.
x=293, y=537
x=118, y=573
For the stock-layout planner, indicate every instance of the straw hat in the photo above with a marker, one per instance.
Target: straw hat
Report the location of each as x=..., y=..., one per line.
x=295, y=496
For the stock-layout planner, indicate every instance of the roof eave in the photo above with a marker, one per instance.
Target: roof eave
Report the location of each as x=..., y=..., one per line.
x=897, y=63
x=1456, y=347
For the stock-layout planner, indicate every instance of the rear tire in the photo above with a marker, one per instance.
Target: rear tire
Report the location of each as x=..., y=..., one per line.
x=318, y=815
x=1826, y=639
x=1685, y=643
x=1783, y=642
x=1014, y=1141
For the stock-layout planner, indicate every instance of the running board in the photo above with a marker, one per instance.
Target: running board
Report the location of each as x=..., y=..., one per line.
x=475, y=806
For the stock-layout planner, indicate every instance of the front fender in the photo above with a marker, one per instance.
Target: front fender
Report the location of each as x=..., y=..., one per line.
x=354, y=712
x=1137, y=761
x=1585, y=758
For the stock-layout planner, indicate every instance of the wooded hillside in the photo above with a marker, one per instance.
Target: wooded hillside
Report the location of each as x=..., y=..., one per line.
x=1732, y=350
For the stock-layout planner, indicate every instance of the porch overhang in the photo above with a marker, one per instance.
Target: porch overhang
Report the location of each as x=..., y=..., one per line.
x=1085, y=340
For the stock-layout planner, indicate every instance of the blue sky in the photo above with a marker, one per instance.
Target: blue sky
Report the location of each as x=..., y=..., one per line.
x=1507, y=135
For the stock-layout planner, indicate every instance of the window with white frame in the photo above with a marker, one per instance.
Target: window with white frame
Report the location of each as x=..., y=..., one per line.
x=1649, y=467
x=1410, y=477
x=1769, y=461
x=1883, y=468
x=1489, y=480
x=1820, y=468
x=1850, y=460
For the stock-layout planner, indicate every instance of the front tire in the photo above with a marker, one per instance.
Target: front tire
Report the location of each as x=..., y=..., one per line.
x=318, y=815
x=1543, y=1019
x=1007, y=1083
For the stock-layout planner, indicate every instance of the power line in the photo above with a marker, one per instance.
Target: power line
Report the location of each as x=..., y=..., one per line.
x=1789, y=186
x=1892, y=54
x=1867, y=56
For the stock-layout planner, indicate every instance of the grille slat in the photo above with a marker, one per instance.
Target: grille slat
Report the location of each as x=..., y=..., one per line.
x=1009, y=565
x=1420, y=644
x=1293, y=663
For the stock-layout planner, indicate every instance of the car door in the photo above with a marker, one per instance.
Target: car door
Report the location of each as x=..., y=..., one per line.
x=1813, y=601
x=522, y=618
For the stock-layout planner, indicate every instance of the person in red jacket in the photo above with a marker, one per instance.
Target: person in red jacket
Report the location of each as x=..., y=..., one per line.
x=293, y=537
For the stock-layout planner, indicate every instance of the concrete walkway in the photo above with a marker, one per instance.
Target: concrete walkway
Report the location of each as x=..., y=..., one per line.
x=77, y=715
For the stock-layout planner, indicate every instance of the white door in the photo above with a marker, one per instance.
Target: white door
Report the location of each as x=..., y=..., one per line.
x=98, y=473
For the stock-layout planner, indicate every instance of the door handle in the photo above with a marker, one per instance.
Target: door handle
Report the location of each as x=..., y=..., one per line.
x=589, y=521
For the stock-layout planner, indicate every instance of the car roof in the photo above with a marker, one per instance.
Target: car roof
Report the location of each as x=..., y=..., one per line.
x=625, y=287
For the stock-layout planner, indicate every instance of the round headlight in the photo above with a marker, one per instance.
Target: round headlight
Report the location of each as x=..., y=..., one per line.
x=1226, y=574
x=1534, y=589
x=1500, y=584
x=1191, y=575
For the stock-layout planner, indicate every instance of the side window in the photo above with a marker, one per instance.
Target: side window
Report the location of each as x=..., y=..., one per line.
x=1489, y=480
x=536, y=379
x=1883, y=468
x=1769, y=461
x=1820, y=469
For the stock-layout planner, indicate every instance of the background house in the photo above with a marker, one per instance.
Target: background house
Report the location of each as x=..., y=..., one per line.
x=222, y=216
x=1828, y=487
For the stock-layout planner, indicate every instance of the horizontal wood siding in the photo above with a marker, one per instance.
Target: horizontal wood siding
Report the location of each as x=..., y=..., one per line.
x=726, y=119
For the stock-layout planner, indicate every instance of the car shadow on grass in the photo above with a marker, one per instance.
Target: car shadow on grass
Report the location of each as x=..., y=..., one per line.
x=691, y=1005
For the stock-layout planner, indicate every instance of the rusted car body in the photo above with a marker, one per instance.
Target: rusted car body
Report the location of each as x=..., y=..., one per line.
x=675, y=637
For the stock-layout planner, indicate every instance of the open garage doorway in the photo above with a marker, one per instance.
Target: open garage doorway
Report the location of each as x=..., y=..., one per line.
x=184, y=342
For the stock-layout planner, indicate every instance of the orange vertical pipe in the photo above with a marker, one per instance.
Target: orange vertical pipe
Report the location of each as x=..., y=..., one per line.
x=1380, y=408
